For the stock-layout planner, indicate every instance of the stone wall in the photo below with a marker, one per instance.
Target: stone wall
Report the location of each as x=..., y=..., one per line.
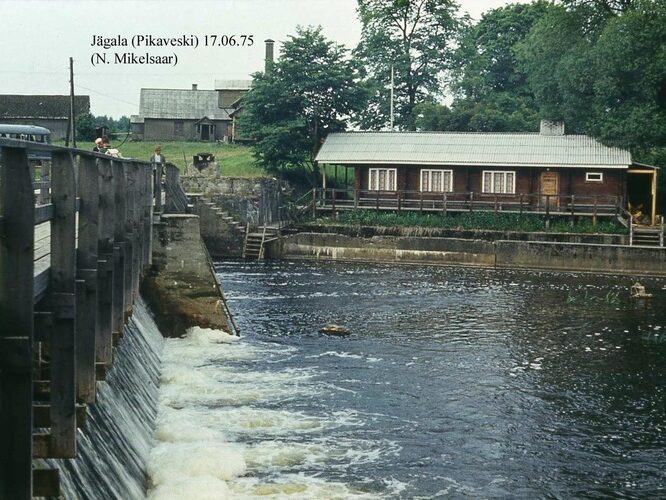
x=613, y=259
x=256, y=201
x=181, y=288
x=472, y=234
x=223, y=236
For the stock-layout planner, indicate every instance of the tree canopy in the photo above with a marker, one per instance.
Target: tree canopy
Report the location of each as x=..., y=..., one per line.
x=310, y=91
x=414, y=37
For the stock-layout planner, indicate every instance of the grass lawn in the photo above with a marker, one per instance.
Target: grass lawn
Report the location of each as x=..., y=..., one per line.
x=234, y=160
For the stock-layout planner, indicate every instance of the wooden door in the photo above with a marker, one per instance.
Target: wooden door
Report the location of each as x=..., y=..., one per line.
x=550, y=185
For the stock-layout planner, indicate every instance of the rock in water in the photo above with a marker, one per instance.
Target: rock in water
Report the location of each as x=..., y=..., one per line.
x=332, y=329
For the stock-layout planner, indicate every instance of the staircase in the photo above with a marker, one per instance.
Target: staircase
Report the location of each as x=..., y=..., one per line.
x=255, y=241
x=647, y=236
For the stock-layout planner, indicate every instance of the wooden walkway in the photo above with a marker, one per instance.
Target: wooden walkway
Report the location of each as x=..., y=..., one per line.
x=69, y=274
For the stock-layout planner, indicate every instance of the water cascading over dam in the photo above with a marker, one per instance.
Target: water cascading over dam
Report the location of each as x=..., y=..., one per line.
x=114, y=445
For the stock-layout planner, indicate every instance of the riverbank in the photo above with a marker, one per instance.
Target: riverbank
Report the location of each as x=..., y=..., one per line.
x=562, y=254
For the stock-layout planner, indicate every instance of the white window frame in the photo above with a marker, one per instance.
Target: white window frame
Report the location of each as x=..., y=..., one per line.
x=386, y=173
x=588, y=176
x=493, y=173
x=445, y=189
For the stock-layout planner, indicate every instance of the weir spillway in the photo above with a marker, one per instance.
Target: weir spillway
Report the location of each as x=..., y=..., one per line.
x=72, y=261
x=114, y=446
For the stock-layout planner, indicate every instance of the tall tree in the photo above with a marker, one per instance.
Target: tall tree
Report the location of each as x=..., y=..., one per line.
x=310, y=91
x=412, y=37
x=556, y=59
x=485, y=62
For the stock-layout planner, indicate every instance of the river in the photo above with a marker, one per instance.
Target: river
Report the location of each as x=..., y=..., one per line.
x=454, y=383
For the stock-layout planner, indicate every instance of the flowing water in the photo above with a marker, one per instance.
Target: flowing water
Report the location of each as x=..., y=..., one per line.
x=114, y=445
x=454, y=383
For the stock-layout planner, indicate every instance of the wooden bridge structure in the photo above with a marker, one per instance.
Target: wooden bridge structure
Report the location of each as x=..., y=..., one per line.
x=70, y=272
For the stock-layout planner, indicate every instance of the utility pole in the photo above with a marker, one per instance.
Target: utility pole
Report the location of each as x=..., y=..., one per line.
x=391, y=97
x=72, y=125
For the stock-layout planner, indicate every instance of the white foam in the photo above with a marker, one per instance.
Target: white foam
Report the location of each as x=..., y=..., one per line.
x=219, y=419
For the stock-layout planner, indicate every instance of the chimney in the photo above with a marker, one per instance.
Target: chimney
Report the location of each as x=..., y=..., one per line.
x=194, y=86
x=551, y=127
x=268, y=62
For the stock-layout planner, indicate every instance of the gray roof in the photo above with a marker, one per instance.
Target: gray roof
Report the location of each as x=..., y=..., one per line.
x=41, y=106
x=180, y=104
x=472, y=149
x=233, y=84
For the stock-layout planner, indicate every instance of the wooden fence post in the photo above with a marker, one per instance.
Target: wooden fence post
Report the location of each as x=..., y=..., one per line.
x=62, y=302
x=157, y=186
x=87, y=324
x=130, y=237
x=105, y=249
x=17, y=208
x=120, y=214
x=148, y=218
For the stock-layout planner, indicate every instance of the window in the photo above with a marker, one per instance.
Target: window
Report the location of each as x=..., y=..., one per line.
x=499, y=182
x=594, y=177
x=382, y=179
x=178, y=128
x=437, y=181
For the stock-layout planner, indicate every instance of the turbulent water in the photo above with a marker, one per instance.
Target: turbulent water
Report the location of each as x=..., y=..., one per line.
x=454, y=382
x=114, y=445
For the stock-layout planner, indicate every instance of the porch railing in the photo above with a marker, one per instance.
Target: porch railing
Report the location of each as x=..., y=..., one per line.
x=333, y=199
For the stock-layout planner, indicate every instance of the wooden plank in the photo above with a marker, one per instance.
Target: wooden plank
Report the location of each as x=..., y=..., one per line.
x=120, y=214
x=16, y=324
x=61, y=301
x=47, y=483
x=41, y=414
x=105, y=241
x=130, y=235
x=157, y=186
x=43, y=213
x=87, y=323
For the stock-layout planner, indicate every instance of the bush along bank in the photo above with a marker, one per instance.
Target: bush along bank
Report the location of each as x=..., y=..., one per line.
x=478, y=221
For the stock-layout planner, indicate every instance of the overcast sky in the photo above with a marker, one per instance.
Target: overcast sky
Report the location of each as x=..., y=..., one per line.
x=39, y=36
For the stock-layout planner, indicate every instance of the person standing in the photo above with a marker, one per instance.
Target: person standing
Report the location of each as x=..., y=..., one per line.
x=158, y=157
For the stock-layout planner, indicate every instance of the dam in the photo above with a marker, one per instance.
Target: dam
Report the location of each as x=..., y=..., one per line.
x=488, y=383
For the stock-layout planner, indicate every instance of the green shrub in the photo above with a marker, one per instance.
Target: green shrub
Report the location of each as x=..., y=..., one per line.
x=476, y=220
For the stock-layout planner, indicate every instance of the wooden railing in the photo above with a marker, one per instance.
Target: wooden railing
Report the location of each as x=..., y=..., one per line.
x=330, y=199
x=62, y=307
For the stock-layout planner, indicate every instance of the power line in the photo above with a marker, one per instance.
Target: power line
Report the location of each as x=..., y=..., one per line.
x=105, y=95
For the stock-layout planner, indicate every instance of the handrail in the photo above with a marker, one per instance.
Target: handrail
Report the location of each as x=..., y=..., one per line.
x=594, y=205
x=86, y=291
x=261, y=246
x=223, y=299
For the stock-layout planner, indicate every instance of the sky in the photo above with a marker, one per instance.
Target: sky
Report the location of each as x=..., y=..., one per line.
x=39, y=36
